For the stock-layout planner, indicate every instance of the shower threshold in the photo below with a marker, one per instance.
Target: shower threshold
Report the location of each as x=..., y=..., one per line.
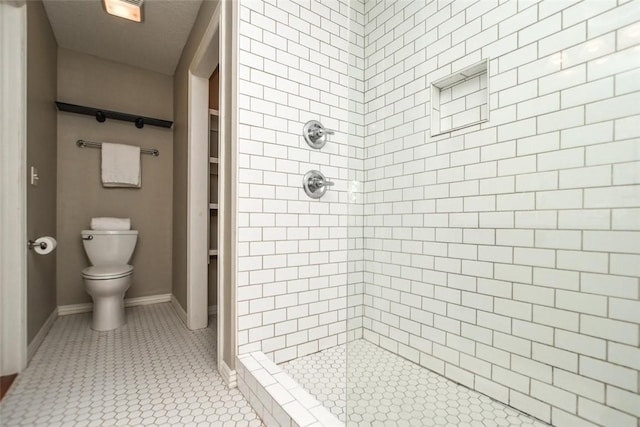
x=383, y=389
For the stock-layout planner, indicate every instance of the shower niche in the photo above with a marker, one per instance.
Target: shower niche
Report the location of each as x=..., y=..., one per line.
x=461, y=99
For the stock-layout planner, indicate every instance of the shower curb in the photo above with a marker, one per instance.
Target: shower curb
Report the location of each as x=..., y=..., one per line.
x=277, y=398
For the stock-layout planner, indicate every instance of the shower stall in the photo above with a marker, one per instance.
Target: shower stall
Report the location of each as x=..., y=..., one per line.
x=477, y=261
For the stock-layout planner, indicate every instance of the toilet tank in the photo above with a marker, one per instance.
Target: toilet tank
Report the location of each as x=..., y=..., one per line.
x=105, y=247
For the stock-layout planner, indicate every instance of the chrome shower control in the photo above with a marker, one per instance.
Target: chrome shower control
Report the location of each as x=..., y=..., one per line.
x=315, y=184
x=315, y=134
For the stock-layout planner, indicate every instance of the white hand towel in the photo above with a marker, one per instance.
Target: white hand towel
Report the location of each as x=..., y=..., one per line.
x=107, y=223
x=120, y=165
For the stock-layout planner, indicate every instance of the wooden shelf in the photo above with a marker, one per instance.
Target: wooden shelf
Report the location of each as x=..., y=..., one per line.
x=214, y=160
x=213, y=206
x=213, y=112
x=213, y=252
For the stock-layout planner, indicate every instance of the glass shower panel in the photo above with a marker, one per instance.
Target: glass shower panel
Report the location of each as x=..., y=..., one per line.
x=356, y=192
x=493, y=260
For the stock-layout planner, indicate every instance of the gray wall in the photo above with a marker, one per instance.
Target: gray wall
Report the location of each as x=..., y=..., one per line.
x=180, y=163
x=41, y=153
x=87, y=80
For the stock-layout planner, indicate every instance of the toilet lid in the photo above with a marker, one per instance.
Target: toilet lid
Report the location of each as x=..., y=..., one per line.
x=107, y=272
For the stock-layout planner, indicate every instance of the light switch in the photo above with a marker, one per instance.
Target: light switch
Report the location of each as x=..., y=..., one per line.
x=34, y=176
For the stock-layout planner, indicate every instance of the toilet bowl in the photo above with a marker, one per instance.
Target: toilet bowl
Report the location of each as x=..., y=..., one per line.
x=107, y=286
x=109, y=278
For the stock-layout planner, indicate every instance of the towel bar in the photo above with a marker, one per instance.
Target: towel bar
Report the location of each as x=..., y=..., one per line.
x=83, y=144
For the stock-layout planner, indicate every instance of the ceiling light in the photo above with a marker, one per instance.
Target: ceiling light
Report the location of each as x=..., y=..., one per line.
x=127, y=9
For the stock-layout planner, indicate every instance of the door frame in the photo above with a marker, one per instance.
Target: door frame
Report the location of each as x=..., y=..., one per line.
x=204, y=61
x=218, y=46
x=13, y=187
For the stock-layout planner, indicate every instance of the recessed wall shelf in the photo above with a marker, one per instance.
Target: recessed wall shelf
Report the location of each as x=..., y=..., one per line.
x=101, y=115
x=214, y=181
x=461, y=99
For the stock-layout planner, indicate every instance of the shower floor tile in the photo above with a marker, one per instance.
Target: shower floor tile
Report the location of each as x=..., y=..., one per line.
x=385, y=389
x=153, y=371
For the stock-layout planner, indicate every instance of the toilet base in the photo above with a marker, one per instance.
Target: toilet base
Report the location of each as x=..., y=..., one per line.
x=108, y=302
x=108, y=313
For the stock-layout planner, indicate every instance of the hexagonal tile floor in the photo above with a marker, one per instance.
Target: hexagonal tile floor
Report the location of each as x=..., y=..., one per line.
x=153, y=371
x=384, y=389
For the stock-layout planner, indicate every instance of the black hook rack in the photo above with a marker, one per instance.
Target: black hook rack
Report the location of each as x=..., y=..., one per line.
x=102, y=115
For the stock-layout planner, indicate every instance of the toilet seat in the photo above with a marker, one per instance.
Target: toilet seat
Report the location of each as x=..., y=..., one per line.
x=107, y=272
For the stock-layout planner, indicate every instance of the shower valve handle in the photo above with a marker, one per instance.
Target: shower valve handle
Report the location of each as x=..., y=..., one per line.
x=316, y=134
x=319, y=132
x=315, y=184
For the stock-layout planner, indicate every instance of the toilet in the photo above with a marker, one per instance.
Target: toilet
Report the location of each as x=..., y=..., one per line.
x=109, y=276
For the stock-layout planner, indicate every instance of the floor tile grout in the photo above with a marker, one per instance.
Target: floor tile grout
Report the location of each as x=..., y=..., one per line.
x=152, y=371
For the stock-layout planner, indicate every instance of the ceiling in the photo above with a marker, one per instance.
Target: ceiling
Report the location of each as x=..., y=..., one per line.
x=155, y=44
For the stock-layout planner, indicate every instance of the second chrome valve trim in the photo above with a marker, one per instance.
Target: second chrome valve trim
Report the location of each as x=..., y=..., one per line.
x=315, y=184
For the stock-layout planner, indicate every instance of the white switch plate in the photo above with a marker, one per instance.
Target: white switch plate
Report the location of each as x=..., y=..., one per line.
x=34, y=176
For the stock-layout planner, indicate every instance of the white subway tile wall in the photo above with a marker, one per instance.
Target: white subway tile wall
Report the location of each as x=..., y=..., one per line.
x=299, y=61
x=506, y=255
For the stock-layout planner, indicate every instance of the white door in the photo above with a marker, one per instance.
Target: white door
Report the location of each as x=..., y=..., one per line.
x=13, y=265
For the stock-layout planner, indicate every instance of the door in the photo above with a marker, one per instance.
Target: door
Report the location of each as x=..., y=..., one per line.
x=13, y=278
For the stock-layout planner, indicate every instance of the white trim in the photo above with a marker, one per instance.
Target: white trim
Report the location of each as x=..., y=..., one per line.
x=13, y=187
x=87, y=307
x=179, y=310
x=201, y=67
x=198, y=202
x=228, y=154
x=229, y=375
x=66, y=310
x=35, y=343
x=222, y=191
x=231, y=283
x=151, y=299
x=212, y=310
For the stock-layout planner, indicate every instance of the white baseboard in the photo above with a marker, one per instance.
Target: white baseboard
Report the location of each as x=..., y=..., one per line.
x=229, y=376
x=87, y=307
x=37, y=340
x=213, y=309
x=64, y=310
x=179, y=310
x=152, y=299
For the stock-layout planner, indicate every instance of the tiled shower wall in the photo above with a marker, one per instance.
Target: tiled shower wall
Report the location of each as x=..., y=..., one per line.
x=506, y=255
x=296, y=65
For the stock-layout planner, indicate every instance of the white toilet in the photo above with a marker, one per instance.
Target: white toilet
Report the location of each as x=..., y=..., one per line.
x=109, y=277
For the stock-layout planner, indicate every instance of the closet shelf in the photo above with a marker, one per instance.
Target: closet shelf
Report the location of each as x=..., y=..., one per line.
x=214, y=112
x=213, y=206
x=101, y=115
x=213, y=252
x=214, y=160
